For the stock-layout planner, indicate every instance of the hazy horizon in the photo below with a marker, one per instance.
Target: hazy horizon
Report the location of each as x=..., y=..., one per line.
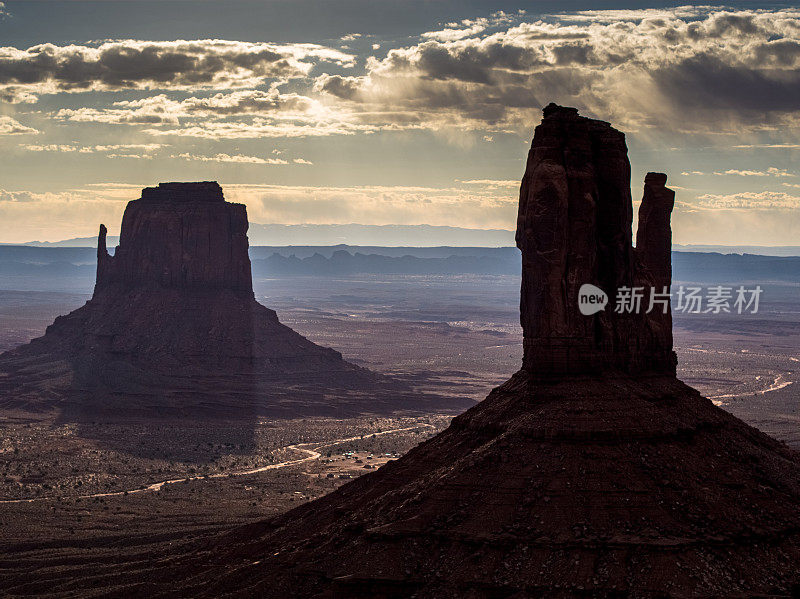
x=356, y=235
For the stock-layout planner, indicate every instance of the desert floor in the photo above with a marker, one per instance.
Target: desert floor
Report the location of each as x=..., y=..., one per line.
x=123, y=490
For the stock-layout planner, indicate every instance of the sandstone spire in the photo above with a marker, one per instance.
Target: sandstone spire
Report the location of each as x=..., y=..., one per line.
x=574, y=228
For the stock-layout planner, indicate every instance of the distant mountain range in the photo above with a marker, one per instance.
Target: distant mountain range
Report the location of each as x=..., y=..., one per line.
x=73, y=268
x=310, y=238
x=379, y=235
x=761, y=250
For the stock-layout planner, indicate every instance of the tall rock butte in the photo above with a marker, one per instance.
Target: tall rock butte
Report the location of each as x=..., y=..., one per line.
x=173, y=327
x=574, y=228
x=592, y=472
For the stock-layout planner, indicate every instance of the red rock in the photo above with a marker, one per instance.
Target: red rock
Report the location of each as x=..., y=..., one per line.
x=173, y=328
x=574, y=228
x=181, y=236
x=592, y=472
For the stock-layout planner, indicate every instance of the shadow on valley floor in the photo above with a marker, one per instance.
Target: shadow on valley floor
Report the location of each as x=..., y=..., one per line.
x=226, y=421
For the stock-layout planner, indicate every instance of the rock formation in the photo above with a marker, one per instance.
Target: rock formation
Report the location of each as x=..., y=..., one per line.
x=574, y=228
x=592, y=472
x=173, y=327
x=178, y=236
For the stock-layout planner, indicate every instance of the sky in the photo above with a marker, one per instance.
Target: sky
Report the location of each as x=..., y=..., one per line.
x=391, y=112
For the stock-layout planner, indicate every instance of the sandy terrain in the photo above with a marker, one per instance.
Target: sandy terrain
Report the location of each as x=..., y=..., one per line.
x=68, y=490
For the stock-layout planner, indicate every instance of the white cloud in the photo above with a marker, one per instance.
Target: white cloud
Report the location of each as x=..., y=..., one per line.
x=25, y=215
x=767, y=146
x=749, y=199
x=239, y=114
x=466, y=28
x=233, y=158
x=492, y=183
x=635, y=14
x=9, y=126
x=770, y=172
x=260, y=127
x=151, y=147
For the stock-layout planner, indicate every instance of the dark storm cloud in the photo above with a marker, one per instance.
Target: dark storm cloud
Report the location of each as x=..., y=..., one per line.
x=130, y=64
x=778, y=53
x=708, y=83
x=345, y=88
x=641, y=68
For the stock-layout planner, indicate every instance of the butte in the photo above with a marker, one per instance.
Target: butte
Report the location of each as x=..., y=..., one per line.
x=173, y=329
x=592, y=472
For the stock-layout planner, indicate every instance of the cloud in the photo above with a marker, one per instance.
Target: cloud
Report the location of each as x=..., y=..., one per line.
x=150, y=147
x=235, y=158
x=261, y=127
x=163, y=109
x=776, y=146
x=635, y=15
x=379, y=205
x=770, y=172
x=13, y=95
x=699, y=71
x=750, y=199
x=492, y=183
x=169, y=65
x=26, y=215
x=17, y=196
x=457, y=31
x=469, y=27
x=9, y=126
x=239, y=114
x=692, y=69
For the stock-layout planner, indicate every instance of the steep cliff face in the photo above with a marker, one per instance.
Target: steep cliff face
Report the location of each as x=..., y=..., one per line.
x=173, y=327
x=654, y=268
x=574, y=228
x=618, y=482
x=180, y=236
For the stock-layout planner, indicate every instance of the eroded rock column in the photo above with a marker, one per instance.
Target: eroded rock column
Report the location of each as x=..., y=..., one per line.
x=574, y=228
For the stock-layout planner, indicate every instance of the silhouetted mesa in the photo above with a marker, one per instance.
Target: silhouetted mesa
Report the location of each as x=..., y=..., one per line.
x=173, y=328
x=612, y=479
x=178, y=236
x=574, y=228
